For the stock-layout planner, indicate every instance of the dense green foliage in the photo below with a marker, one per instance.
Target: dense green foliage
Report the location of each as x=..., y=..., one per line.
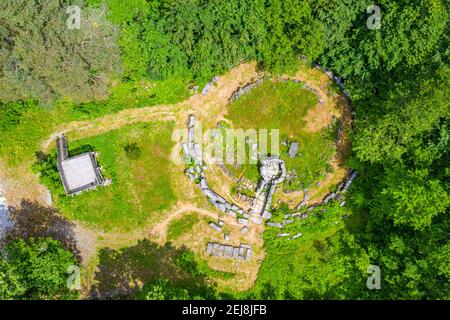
x=398, y=80
x=42, y=59
x=201, y=38
x=35, y=269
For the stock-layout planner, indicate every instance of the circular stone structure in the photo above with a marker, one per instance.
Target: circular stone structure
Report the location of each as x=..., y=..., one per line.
x=273, y=170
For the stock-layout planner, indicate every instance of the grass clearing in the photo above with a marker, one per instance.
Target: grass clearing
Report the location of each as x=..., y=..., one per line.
x=142, y=181
x=293, y=265
x=181, y=226
x=283, y=106
x=24, y=125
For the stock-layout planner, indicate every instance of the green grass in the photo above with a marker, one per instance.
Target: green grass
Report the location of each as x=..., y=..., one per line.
x=283, y=106
x=182, y=226
x=141, y=187
x=297, y=269
x=273, y=105
x=24, y=126
x=191, y=263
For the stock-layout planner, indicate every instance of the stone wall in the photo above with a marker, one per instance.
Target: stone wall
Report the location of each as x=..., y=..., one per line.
x=243, y=252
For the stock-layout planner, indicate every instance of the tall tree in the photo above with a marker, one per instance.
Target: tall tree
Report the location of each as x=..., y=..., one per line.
x=35, y=269
x=42, y=59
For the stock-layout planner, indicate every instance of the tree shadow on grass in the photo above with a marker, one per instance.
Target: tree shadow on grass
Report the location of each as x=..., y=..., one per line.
x=31, y=219
x=122, y=272
x=73, y=152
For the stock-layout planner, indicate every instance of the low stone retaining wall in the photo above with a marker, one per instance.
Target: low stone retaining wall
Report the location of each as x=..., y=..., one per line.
x=243, y=252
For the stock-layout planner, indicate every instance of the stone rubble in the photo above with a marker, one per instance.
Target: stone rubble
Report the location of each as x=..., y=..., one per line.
x=216, y=227
x=245, y=89
x=337, y=196
x=243, y=252
x=338, y=81
x=209, y=85
x=196, y=174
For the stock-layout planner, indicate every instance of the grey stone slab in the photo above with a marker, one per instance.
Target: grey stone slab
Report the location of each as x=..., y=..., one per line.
x=293, y=149
x=232, y=213
x=297, y=235
x=256, y=220
x=243, y=221
x=216, y=227
x=283, y=235
x=249, y=255
x=235, y=252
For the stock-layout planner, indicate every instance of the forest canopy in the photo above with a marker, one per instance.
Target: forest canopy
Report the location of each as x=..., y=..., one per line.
x=42, y=59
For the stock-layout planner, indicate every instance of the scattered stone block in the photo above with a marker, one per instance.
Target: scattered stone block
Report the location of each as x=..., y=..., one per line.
x=249, y=255
x=244, y=230
x=297, y=235
x=256, y=220
x=283, y=235
x=216, y=227
x=243, y=221
x=274, y=224
x=301, y=205
x=209, y=248
x=293, y=149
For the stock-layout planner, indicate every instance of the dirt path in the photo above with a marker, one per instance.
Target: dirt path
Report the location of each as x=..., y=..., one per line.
x=208, y=109
x=160, y=230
